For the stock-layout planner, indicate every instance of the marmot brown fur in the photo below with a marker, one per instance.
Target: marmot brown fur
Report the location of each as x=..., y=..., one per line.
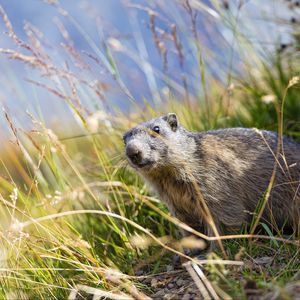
x=229, y=168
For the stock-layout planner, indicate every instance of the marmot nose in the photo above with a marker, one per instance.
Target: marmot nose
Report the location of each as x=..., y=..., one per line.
x=134, y=153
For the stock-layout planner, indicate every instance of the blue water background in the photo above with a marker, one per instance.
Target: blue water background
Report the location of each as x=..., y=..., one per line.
x=265, y=23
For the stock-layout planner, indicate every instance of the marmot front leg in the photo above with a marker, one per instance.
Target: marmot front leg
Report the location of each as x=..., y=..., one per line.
x=203, y=249
x=213, y=245
x=191, y=244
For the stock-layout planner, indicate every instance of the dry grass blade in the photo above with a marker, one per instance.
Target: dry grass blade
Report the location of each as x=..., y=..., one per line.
x=97, y=293
x=205, y=281
x=203, y=284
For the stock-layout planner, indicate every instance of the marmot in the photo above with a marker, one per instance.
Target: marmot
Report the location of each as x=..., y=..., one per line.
x=231, y=168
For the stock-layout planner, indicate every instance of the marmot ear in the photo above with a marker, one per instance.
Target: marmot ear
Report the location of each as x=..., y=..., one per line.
x=172, y=120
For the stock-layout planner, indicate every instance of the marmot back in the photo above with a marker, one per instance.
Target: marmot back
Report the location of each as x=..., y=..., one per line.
x=231, y=168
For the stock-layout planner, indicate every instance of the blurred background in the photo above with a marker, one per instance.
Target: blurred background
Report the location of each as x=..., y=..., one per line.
x=150, y=42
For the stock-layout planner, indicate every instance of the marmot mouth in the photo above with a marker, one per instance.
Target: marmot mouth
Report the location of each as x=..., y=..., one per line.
x=143, y=164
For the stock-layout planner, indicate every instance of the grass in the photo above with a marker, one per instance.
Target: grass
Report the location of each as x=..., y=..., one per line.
x=73, y=214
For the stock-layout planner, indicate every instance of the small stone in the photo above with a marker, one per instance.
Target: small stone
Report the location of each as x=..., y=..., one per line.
x=159, y=294
x=192, y=296
x=180, y=282
x=171, y=285
x=147, y=280
x=139, y=273
x=170, y=268
x=186, y=296
x=154, y=282
x=265, y=260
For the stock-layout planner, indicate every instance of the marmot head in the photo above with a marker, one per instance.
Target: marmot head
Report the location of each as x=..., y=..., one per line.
x=149, y=145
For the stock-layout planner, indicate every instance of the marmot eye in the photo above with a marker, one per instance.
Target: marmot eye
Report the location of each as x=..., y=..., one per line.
x=156, y=129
